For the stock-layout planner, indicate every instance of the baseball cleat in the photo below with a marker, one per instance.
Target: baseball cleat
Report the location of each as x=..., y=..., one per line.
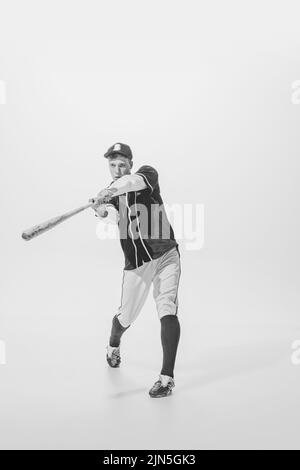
x=162, y=388
x=113, y=356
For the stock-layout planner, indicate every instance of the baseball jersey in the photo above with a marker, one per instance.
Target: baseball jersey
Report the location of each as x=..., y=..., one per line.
x=145, y=231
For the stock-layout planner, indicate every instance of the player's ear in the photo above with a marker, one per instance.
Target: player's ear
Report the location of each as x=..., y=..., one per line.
x=131, y=164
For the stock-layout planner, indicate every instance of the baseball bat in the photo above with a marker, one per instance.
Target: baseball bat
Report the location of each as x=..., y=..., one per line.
x=51, y=223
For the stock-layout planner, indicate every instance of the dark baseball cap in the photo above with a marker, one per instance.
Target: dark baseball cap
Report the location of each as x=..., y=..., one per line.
x=121, y=149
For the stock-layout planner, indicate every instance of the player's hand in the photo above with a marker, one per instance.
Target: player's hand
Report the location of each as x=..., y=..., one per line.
x=102, y=197
x=101, y=211
x=99, y=208
x=106, y=194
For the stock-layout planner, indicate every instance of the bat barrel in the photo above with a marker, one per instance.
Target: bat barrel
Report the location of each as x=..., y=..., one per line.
x=49, y=224
x=26, y=236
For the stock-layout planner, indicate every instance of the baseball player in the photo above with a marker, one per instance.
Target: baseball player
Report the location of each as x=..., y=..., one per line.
x=152, y=257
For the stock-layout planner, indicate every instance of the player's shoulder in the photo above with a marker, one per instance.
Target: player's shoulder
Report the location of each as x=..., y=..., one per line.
x=147, y=168
x=150, y=176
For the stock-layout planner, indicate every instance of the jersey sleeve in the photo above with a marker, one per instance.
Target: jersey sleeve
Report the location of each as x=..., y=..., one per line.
x=149, y=175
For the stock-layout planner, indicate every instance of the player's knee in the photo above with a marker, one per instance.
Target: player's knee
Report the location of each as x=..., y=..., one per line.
x=169, y=308
x=121, y=322
x=167, y=314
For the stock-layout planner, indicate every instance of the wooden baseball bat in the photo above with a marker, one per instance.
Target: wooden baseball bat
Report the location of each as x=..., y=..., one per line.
x=44, y=226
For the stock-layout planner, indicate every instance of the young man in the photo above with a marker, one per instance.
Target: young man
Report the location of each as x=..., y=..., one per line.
x=151, y=257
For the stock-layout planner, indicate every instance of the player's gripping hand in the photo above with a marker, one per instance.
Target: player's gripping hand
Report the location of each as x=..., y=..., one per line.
x=103, y=196
x=101, y=211
x=100, y=200
x=99, y=208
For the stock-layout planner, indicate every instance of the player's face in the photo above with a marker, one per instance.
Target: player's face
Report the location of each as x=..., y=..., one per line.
x=119, y=166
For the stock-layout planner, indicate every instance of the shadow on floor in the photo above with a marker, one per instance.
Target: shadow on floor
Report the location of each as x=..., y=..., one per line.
x=129, y=393
x=212, y=365
x=223, y=363
x=120, y=379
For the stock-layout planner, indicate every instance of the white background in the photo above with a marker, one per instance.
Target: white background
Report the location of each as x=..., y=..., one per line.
x=202, y=91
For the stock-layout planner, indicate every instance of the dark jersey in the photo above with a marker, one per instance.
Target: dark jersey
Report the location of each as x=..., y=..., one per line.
x=145, y=231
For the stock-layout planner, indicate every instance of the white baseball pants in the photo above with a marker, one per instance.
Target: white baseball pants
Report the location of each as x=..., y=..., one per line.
x=164, y=274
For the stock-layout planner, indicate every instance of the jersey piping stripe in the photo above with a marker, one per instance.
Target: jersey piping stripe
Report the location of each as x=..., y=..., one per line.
x=143, y=176
x=140, y=229
x=129, y=214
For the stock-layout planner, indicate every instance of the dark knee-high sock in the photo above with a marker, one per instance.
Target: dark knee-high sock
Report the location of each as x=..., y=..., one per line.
x=170, y=334
x=116, y=332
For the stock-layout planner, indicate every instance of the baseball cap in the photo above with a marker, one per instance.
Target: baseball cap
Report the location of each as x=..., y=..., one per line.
x=119, y=148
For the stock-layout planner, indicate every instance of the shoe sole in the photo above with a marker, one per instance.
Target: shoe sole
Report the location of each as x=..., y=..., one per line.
x=113, y=367
x=161, y=396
